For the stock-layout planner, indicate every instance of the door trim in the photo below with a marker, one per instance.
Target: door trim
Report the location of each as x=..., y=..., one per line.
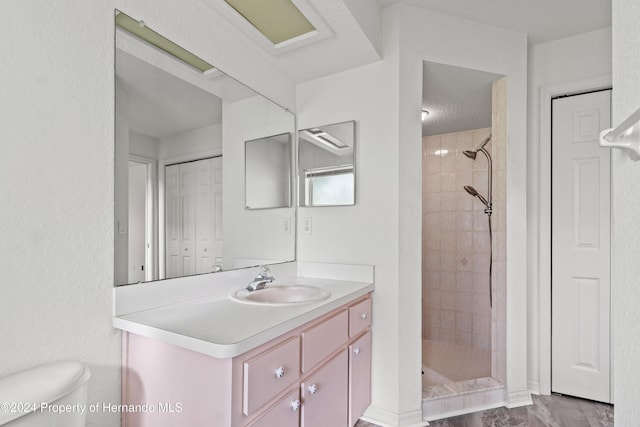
x=151, y=215
x=544, y=216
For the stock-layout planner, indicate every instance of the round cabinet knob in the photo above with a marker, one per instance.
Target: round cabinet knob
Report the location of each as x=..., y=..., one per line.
x=185, y=249
x=205, y=249
x=356, y=350
x=280, y=372
x=313, y=389
x=363, y=316
x=295, y=405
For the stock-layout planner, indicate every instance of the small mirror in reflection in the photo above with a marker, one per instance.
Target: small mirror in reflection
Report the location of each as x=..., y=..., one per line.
x=268, y=172
x=326, y=165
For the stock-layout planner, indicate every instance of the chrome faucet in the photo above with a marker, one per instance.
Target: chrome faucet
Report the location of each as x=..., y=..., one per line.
x=261, y=280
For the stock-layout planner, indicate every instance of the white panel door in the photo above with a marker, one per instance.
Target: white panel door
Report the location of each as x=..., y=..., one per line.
x=188, y=200
x=172, y=221
x=580, y=279
x=217, y=209
x=204, y=217
x=193, y=211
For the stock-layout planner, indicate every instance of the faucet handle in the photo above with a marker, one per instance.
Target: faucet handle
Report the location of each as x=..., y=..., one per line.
x=264, y=270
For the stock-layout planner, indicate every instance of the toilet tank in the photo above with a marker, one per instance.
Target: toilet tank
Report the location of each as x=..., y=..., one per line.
x=52, y=395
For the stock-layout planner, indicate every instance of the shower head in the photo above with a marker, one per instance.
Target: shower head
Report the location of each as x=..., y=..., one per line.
x=485, y=142
x=472, y=153
x=469, y=189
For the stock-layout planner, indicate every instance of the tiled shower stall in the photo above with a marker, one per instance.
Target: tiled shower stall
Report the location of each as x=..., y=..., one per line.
x=463, y=335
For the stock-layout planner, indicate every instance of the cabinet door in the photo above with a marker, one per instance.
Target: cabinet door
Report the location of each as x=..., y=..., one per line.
x=359, y=377
x=324, y=395
x=285, y=413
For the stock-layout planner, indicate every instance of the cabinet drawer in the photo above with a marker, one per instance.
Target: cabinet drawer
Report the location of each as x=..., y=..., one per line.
x=359, y=317
x=359, y=377
x=270, y=373
x=285, y=413
x=323, y=339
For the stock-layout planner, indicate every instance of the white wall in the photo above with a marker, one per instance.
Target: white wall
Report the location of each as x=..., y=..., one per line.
x=429, y=36
x=383, y=228
x=57, y=123
x=626, y=228
x=572, y=64
x=250, y=234
x=143, y=145
x=367, y=232
x=206, y=139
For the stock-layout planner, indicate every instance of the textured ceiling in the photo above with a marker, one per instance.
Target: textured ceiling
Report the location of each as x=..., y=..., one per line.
x=457, y=98
x=542, y=20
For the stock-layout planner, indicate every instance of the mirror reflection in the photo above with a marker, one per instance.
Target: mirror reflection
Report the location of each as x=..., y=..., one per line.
x=180, y=168
x=326, y=165
x=268, y=172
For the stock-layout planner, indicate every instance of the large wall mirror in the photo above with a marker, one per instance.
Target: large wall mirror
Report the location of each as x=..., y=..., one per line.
x=326, y=165
x=181, y=128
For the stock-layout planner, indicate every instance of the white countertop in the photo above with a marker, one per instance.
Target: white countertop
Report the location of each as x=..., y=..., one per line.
x=220, y=327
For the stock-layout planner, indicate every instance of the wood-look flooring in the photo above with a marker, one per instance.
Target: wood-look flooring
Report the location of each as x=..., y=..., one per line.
x=546, y=411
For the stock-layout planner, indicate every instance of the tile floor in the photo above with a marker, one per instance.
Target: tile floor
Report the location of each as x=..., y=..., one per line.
x=546, y=411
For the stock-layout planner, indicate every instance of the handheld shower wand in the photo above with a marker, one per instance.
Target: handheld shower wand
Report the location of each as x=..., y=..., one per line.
x=488, y=206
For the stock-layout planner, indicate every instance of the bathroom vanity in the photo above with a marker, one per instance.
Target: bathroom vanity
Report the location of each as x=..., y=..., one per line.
x=213, y=361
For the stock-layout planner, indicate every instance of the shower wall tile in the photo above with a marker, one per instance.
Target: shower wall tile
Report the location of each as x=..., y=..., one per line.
x=448, y=222
x=431, y=164
x=462, y=179
x=447, y=241
x=456, y=262
x=480, y=181
x=463, y=163
x=448, y=261
x=464, y=239
x=448, y=163
x=464, y=281
x=448, y=280
x=464, y=141
x=464, y=304
x=464, y=202
x=431, y=203
x=448, y=142
x=431, y=183
x=464, y=221
x=447, y=201
x=448, y=302
x=448, y=181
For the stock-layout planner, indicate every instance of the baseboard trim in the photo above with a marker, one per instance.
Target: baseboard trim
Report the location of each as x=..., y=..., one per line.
x=385, y=418
x=518, y=398
x=534, y=387
x=467, y=411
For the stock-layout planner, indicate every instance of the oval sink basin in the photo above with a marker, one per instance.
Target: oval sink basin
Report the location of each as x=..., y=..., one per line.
x=281, y=295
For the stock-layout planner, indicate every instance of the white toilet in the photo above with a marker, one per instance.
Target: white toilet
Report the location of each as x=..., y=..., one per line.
x=52, y=395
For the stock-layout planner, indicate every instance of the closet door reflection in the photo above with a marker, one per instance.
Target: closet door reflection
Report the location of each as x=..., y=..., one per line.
x=193, y=200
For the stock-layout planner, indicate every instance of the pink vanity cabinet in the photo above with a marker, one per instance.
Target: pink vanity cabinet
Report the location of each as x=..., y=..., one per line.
x=317, y=375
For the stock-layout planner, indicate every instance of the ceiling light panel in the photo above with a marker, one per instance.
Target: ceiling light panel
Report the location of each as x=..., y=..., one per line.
x=139, y=29
x=277, y=20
